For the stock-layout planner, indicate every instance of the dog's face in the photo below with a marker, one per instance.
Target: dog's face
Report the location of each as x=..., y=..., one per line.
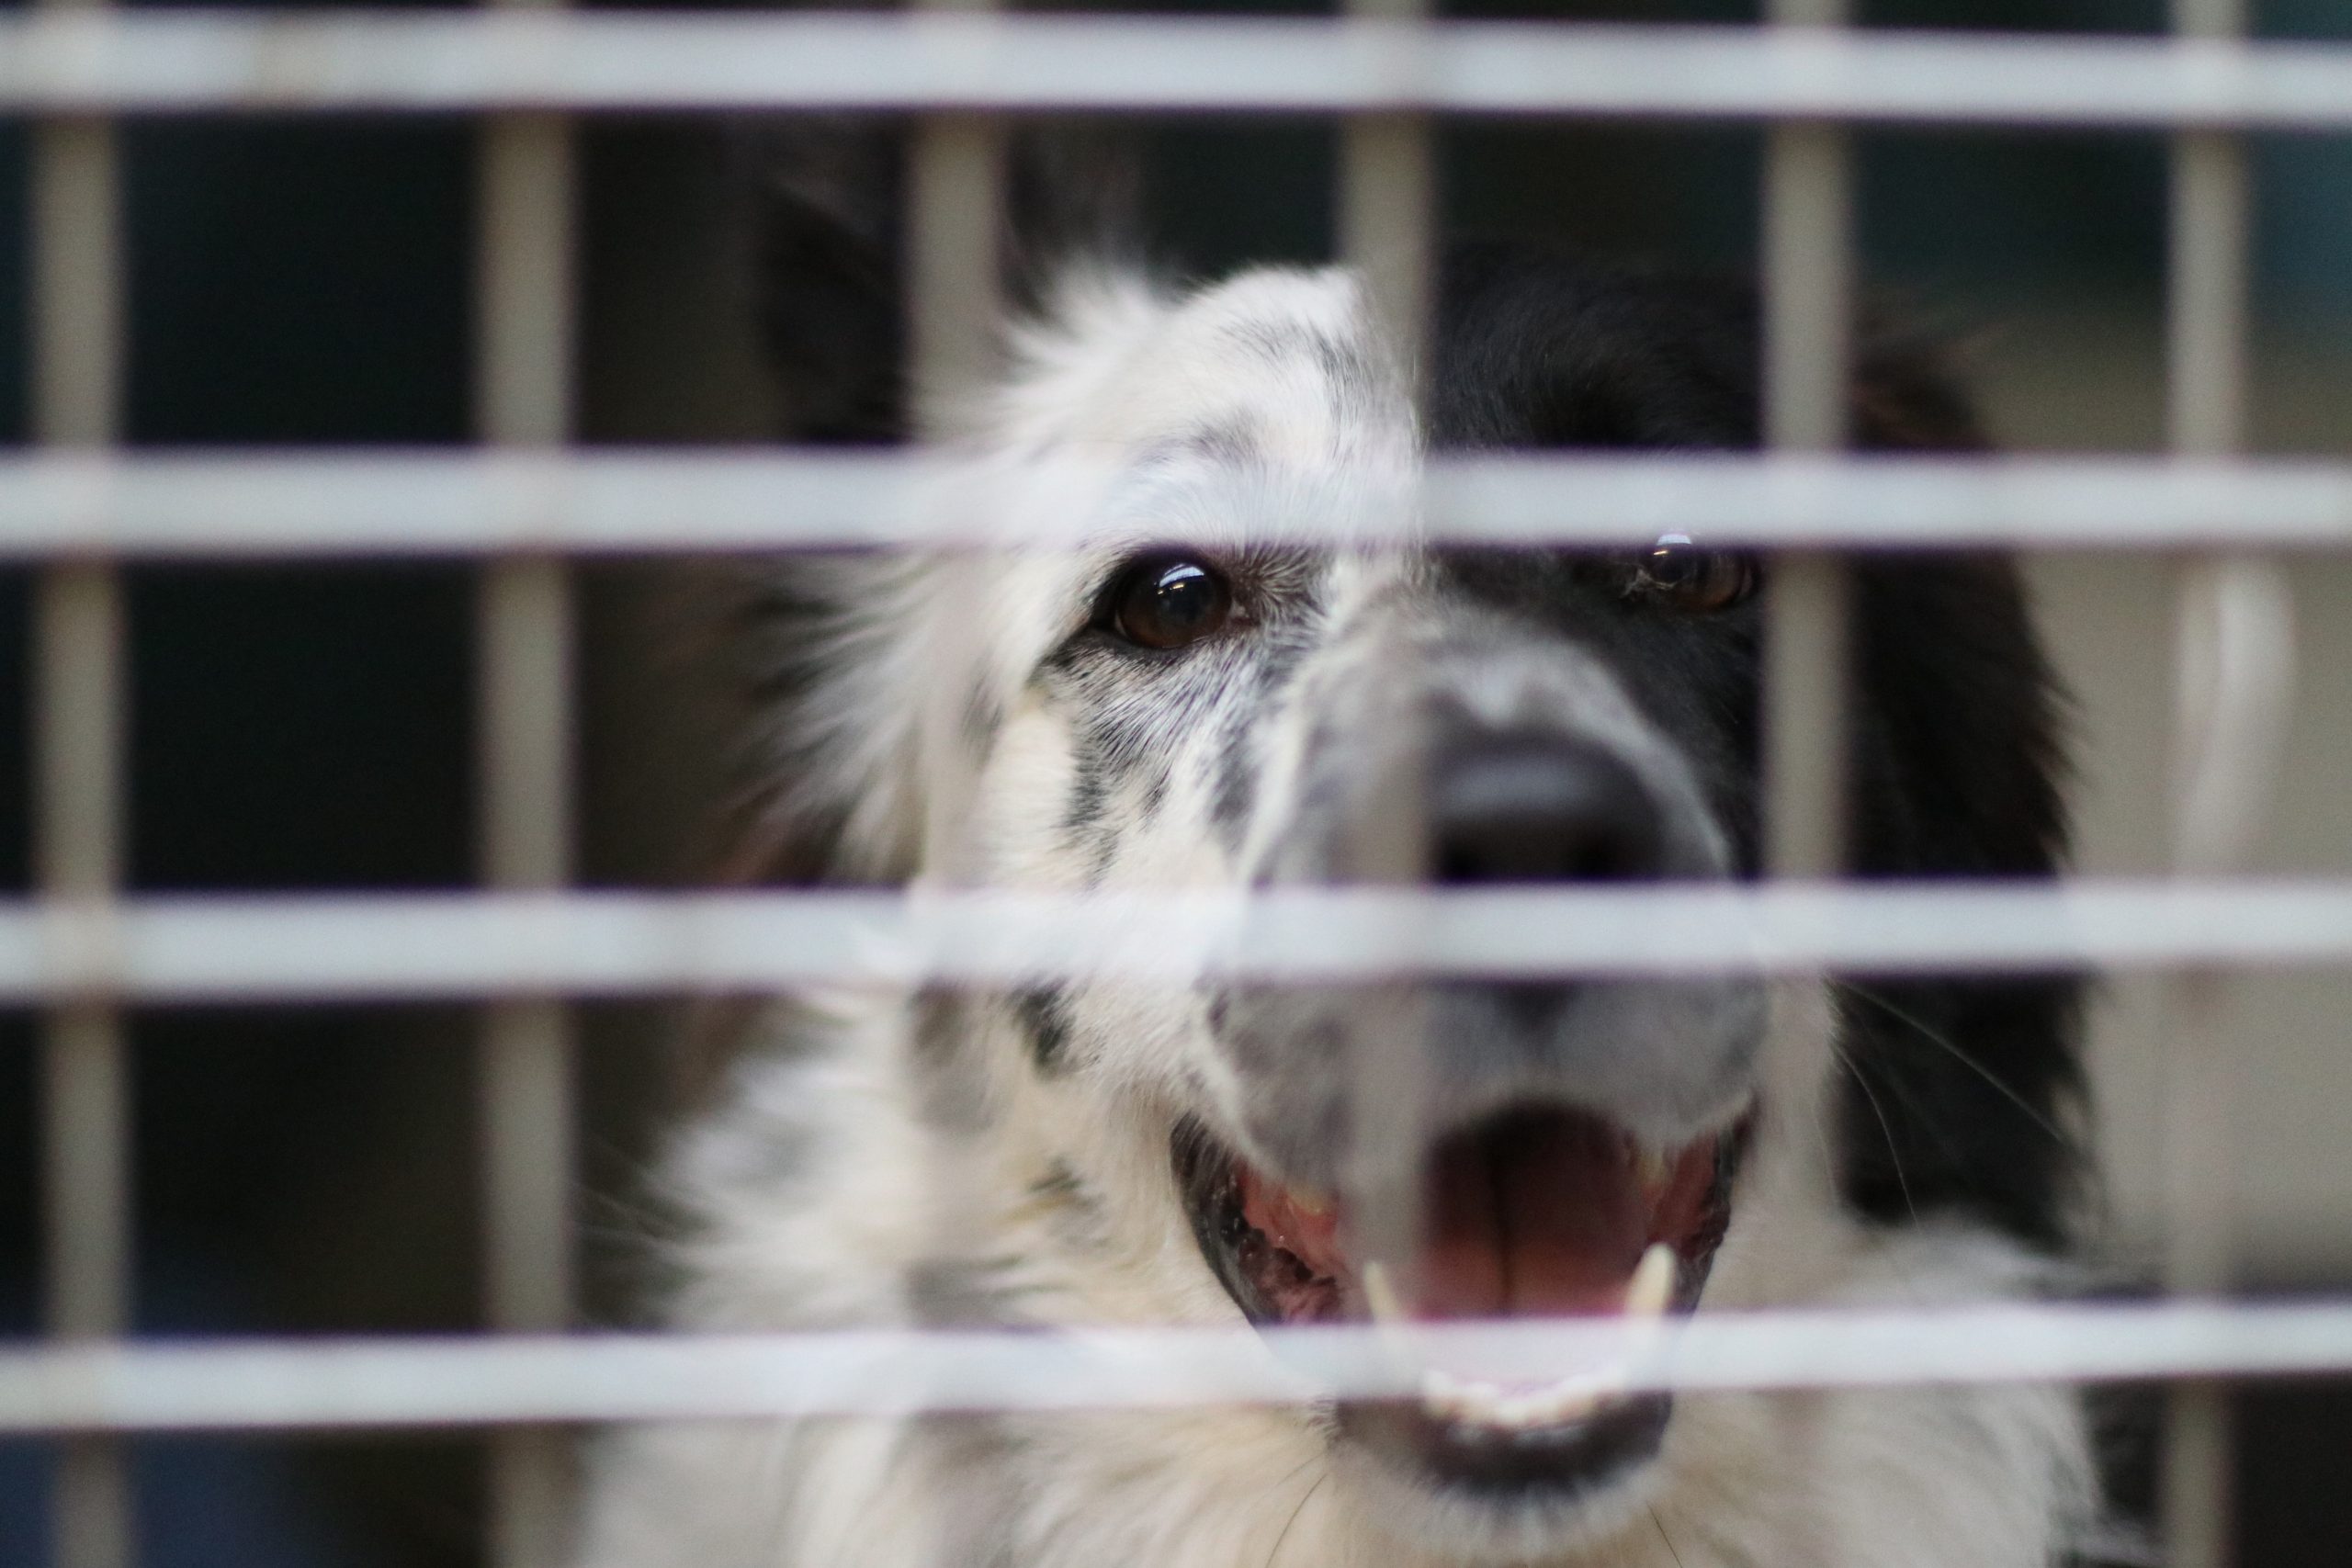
x=1196, y=697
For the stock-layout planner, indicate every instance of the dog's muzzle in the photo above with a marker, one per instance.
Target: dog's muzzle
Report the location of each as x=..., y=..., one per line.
x=1580, y=1137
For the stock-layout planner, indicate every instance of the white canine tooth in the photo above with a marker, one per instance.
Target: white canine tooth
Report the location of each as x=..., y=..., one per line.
x=1387, y=1312
x=1651, y=1167
x=1653, y=1284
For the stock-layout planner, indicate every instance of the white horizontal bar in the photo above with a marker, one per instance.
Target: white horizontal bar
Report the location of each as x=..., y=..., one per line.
x=244, y=62
x=459, y=946
x=380, y=1383
x=458, y=502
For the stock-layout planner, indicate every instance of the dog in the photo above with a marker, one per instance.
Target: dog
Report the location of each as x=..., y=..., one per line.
x=1191, y=698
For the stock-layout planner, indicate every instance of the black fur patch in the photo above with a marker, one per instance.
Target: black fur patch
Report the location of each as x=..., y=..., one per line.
x=1045, y=1017
x=1959, y=1089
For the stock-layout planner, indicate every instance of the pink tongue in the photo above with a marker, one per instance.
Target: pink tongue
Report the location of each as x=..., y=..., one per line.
x=1537, y=1214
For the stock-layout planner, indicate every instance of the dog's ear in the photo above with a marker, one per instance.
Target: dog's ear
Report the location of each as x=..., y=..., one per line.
x=829, y=250
x=1905, y=398
x=836, y=671
x=825, y=245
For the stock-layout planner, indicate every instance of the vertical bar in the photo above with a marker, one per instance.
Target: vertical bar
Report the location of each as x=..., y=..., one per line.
x=1388, y=236
x=77, y=719
x=954, y=293
x=1387, y=206
x=2220, y=786
x=85, y=1067
x=1807, y=266
x=2205, y=326
x=77, y=729
x=76, y=279
x=954, y=277
x=955, y=285
x=1387, y=191
x=526, y=284
x=525, y=638
x=526, y=705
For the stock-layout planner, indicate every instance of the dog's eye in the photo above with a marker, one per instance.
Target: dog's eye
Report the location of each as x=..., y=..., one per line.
x=1168, y=603
x=1690, y=578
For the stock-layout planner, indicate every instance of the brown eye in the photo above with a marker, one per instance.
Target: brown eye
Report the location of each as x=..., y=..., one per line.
x=1692, y=579
x=1169, y=603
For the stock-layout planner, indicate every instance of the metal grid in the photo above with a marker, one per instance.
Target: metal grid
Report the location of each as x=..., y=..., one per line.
x=525, y=505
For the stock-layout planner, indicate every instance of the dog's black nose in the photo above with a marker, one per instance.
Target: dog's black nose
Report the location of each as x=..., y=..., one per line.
x=1520, y=808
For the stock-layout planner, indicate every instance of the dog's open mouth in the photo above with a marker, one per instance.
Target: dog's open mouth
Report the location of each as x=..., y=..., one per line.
x=1539, y=1212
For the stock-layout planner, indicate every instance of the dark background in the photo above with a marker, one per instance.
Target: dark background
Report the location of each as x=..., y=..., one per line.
x=312, y=1170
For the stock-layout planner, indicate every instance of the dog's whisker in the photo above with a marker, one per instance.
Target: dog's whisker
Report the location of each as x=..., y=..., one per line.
x=1273, y=1556
x=1887, y=1128
x=1938, y=1038
x=1670, y=1548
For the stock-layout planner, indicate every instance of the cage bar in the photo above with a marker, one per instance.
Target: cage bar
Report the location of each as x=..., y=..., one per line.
x=1386, y=202
x=954, y=182
x=419, y=946
x=238, y=63
x=952, y=287
x=524, y=638
x=77, y=743
x=1807, y=265
x=327, y=1385
x=2223, y=779
x=78, y=669
x=509, y=502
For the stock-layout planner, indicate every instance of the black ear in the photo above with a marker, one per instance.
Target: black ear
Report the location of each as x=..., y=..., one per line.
x=826, y=253
x=829, y=232
x=1904, y=398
